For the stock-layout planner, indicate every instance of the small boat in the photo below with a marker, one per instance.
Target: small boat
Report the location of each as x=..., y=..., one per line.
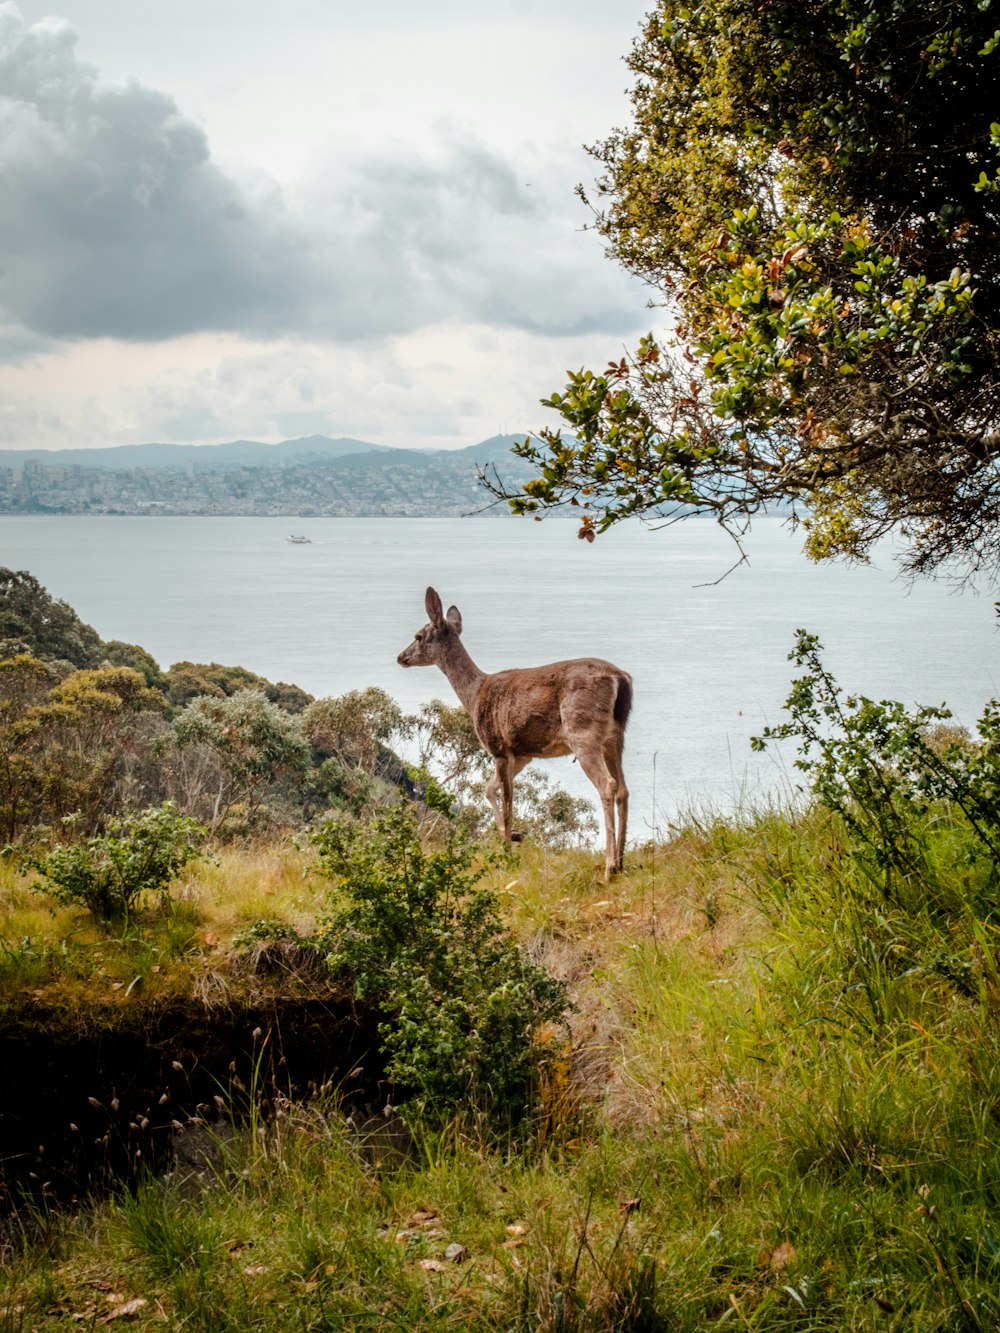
x=299, y=541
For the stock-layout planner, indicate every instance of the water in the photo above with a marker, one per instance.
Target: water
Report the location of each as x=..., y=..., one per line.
x=708, y=662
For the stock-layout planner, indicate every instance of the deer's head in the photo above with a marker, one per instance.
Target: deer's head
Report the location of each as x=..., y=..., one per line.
x=429, y=643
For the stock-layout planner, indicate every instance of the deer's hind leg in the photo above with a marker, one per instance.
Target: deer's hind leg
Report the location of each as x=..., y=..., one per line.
x=613, y=759
x=594, y=763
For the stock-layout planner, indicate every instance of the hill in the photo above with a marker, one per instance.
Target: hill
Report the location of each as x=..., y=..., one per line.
x=243, y=453
x=216, y=457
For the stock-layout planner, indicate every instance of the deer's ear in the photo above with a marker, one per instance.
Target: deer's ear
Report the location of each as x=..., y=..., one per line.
x=434, y=612
x=455, y=619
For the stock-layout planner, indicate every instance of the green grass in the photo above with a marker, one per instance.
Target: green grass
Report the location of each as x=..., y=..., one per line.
x=780, y=1112
x=61, y=950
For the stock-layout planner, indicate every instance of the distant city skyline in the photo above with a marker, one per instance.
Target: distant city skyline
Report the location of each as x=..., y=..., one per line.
x=231, y=220
x=314, y=476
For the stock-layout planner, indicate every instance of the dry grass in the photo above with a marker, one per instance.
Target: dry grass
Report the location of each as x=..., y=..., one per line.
x=181, y=945
x=243, y=884
x=25, y=913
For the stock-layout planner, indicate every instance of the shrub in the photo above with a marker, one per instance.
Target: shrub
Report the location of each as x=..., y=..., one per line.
x=912, y=791
x=913, y=906
x=111, y=872
x=461, y=1001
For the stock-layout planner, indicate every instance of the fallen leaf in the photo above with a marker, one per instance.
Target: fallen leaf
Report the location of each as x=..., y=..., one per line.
x=125, y=1311
x=433, y=1265
x=517, y=1229
x=255, y=1270
x=781, y=1256
x=210, y=938
x=422, y=1217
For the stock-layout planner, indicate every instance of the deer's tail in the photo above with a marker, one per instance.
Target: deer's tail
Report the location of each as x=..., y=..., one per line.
x=623, y=700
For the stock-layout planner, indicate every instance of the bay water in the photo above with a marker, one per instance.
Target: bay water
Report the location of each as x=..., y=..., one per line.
x=707, y=653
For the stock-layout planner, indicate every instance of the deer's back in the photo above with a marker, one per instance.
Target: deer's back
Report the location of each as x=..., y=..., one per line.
x=538, y=710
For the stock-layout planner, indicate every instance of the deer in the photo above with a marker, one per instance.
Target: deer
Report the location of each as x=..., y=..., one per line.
x=578, y=707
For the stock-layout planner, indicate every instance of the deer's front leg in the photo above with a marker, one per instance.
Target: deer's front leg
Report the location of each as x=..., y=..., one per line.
x=500, y=793
x=505, y=778
x=493, y=796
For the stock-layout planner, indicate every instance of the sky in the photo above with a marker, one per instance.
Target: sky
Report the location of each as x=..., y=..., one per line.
x=221, y=219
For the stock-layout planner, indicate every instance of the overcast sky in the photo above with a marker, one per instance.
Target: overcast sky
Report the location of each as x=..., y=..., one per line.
x=224, y=219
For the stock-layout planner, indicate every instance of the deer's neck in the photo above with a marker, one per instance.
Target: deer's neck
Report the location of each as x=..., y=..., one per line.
x=465, y=677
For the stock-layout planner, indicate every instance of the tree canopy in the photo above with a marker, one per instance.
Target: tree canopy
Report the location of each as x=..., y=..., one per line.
x=33, y=622
x=811, y=188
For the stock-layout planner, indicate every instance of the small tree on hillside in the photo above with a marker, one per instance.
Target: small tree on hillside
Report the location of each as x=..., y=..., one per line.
x=111, y=873
x=80, y=744
x=231, y=752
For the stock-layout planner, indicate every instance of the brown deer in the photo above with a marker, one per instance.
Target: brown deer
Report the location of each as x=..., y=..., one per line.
x=577, y=707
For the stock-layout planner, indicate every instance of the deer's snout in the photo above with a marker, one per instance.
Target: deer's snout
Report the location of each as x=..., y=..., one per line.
x=402, y=659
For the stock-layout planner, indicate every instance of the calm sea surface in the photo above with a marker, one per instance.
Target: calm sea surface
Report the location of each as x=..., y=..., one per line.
x=709, y=662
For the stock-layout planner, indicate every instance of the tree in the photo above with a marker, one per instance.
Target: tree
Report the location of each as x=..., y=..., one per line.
x=79, y=745
x=811, y=188
x=190, y=680
x=357, y=728
x=351, y=737
x=116, y=653
x=34, y=622
x=231, y=751
x=25, y=683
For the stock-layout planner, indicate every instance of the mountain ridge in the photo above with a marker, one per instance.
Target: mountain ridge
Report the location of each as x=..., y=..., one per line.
x=251, y=453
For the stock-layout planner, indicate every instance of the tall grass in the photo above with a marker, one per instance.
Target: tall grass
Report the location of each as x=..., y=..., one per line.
x=781, y=1112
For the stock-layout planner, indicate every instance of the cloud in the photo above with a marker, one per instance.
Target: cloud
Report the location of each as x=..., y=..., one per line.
x=118, y=222
x=115, y=220
x=457, y=233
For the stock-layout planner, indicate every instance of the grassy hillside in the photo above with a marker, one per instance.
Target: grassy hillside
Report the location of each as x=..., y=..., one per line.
x=777, y=1109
